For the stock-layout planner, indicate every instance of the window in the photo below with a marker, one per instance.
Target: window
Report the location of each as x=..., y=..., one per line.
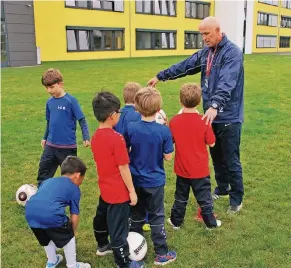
x=153, y=39
x=193, y=40
x=267, y=19
x=113, y=5
x=91, y=39
x=269, y=2
x=156, y=7
x=286, y=3
x=266, y=41
x=285, y=22
x=77, y=3
x=197, y=10
x=284, y=41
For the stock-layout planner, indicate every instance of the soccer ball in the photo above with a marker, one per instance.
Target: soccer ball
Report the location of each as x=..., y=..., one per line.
x=137, y=246
x=161, y=117
x=24, y=193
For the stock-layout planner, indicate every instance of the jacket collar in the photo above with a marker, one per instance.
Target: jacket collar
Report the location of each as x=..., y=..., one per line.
x=221, y=43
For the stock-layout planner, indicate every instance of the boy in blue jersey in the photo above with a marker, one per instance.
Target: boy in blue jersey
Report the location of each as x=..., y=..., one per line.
x=46, y=216
x=62, y=112
x=150, y=144
x=128, y=112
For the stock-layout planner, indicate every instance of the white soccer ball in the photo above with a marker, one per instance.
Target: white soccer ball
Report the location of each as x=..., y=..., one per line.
x=137, y=246
x=24, y=193
x=161, y=117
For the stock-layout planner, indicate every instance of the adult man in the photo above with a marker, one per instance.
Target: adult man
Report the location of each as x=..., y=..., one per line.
x=222, y=82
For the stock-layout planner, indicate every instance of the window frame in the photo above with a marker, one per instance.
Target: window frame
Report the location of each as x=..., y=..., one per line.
x=285, y=37
x=90, y=6
x=152, y=4
x=261, y=35
x=287, y=5
x=268, y=18
x=197, y=34
x=288, y=18
x=153, y=32
x=91, y=39
x=263, y=2
x=197, y=3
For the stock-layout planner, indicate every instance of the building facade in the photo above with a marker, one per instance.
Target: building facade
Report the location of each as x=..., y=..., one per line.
x=99, y=29
x=257, y=26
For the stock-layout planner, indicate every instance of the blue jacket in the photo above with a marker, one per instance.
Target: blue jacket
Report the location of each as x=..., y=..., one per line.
x=225, y=83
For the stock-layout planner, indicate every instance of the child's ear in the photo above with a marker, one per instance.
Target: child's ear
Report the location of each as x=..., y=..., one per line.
x=78, y=175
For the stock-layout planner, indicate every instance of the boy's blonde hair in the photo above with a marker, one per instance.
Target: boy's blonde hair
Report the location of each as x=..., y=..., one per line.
x=51, y=77
x=129, y=91
x=190, y=95
x=148, y=101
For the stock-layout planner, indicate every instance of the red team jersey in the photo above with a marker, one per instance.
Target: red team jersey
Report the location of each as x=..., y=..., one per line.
x=191, y=136
x=109, y=151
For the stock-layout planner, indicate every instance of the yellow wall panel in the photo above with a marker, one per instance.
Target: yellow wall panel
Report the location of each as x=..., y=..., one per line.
x=52, y=17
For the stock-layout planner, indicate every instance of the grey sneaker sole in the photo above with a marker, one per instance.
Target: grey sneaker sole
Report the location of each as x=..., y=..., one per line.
x=99, y=253
x=164, y=263
x=232, y=212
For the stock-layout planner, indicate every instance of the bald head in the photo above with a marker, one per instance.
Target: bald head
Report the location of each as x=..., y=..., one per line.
x=210, y=22
x=210, y=31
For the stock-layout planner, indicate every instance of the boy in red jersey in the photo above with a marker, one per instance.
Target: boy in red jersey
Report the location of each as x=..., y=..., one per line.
x=191, y=136
x=116, y=188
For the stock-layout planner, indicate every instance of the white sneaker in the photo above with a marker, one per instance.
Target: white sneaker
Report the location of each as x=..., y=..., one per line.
x=53, y=265
x=174, y=227
x=83, y=265
x=234, y=209
x=218, y=224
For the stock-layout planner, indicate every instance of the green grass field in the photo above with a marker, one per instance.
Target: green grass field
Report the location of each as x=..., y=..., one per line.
x=258, y=237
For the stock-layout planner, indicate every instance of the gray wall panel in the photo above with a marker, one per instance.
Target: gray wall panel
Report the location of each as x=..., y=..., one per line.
x=13, y=18
x=20, y=38
x=19, y=19
x=22, y=56
x=18, y=9
x=18, y=2
x=20, y=28
x=22, y=63
x=22, y=47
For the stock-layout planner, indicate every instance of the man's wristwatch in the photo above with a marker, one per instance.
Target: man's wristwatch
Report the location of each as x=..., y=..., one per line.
x=214, y=105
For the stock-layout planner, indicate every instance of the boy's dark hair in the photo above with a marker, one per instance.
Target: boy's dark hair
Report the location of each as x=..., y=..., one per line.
x=190, y=95
x=51, y=77
x=73, y=164
x=104, y=104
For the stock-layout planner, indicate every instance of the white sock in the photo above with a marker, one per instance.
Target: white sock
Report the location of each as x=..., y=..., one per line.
x=50, y=251
x=70, y=253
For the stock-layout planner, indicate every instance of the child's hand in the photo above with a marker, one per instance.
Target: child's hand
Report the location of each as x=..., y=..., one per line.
x=43, y=142
x=86, y=143
x=133, y=198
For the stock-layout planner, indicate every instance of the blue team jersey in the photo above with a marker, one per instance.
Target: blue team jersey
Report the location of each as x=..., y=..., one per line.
x=128, y=115
x=46, y=209
x=149, y=142
x=62, y=114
